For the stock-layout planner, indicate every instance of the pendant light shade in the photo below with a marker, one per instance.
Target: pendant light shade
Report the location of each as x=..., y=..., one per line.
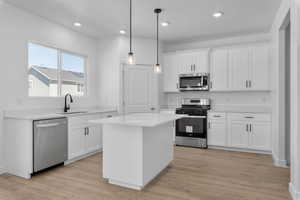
x=157, y=67
x=131, y=59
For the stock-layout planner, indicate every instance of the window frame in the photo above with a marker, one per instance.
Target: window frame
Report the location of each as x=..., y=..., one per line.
x=60, y=51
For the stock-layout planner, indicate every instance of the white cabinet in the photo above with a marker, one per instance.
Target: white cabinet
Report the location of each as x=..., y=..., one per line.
x=170, y=68
x=259, y=68
x=259, y=136
x=183, y=62
x=84, y=137
x=76, y=141
x=217, y=133
x=240, y=68
x=219, y=70
x=193, y=62
x=238, y=134
x=249, y=131
x=93, y=141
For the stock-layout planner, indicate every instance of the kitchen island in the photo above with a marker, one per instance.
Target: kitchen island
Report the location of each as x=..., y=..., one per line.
x=136, y=147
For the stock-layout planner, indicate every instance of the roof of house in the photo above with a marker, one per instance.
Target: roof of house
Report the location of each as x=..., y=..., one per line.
x=50, y=74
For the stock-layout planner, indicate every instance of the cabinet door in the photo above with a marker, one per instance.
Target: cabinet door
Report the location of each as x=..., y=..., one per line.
x=238, y=134
x=93, y=139
x=259, y=67
x=260, y=136
x=200, y=61
x=219, y=70
x=170, y=73
x=76, y=142
x=217, y=133
x=238, y=68
x=185, y=63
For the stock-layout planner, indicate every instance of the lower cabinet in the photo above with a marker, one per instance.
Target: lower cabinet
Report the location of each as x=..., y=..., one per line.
x=240, y=130
x=260, y=136
x=84, y=137
x=250, y=131
x=216, y=132
x=238, y=136
x=76, y=144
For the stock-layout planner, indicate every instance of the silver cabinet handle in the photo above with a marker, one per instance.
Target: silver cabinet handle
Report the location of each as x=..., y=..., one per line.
x=247, y=129
x=208, y=125
x=250, y=84
x=47, y=125
x=246, y=83
x=177, y=85
x=250, y=127
x=211, y=85
x=109, y=116
x=191, y=67
x=216, y=116
x=87, y=131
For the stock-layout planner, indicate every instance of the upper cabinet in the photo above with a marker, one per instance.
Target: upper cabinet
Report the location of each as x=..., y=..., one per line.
x=183, y=62
x=259, y=68
x=243, y=68
x=193, y=62
x=219, y=70
x=171, y=71
x=234, y=68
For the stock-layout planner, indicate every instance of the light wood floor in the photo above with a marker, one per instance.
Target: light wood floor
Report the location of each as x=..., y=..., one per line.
x=194, y=175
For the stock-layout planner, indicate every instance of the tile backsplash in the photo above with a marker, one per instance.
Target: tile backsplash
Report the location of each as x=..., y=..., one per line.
x=247, y=99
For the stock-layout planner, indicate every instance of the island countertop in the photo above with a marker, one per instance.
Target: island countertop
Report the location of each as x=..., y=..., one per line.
x=139, y=119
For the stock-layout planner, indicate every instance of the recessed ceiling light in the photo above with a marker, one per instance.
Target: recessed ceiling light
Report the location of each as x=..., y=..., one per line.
x=165, y=24
x=77, y=24
x=123, y=32
x=218, y=14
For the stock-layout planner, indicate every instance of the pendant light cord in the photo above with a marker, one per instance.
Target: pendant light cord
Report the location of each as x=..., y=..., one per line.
x=130, y=26
x=157, y=39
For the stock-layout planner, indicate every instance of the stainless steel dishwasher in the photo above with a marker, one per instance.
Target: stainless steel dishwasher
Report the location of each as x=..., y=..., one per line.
x=50, y=143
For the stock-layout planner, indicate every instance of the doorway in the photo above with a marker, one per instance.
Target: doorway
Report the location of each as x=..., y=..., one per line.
x=285, y=73
x=140, y=89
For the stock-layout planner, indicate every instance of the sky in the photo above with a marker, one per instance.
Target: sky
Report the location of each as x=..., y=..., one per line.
x=48, y=57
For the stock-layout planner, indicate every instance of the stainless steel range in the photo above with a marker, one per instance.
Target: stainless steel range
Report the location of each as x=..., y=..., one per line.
x=192, y=129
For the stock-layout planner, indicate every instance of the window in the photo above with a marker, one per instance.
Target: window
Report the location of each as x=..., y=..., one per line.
x=55, y=72
x=30, y=84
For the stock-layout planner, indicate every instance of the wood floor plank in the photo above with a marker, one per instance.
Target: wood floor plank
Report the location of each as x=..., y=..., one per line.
x=195, y=174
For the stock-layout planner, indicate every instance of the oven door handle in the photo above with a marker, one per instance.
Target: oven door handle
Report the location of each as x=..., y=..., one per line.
x=191, y=116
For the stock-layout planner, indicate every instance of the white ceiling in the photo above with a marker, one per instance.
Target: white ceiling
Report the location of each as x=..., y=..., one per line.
x=190, y=19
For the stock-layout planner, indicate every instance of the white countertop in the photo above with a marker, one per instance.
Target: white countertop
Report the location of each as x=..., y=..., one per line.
x=139, y=119
x=39, y=114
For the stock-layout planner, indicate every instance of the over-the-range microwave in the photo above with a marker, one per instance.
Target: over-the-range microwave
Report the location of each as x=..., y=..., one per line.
x=194, y=82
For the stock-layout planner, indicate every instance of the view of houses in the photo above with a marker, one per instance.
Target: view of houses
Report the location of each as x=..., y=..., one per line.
x=43, y=81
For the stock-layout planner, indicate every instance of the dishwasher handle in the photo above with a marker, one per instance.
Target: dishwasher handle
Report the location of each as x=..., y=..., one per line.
x=48, y=125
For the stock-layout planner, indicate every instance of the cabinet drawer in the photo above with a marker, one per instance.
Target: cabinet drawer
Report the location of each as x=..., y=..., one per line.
x=79, y=121
x=250, y=116
x=216, y=116
x=82, y=121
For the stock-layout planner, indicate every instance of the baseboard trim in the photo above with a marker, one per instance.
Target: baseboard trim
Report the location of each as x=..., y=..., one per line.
x=279, y=163
x=240, y=150
x=81, y=157
x=294, y=193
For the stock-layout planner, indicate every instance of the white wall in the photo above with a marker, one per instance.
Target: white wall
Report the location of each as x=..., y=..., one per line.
x=112, y=52
x=278, y=127
x=17, y=29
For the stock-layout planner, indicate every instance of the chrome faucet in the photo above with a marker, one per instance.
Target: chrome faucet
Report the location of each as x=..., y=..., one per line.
x=67, y=106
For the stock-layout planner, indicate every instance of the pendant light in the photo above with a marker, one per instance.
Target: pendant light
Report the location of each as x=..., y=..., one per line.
x=131, y=60
x=157, y=67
